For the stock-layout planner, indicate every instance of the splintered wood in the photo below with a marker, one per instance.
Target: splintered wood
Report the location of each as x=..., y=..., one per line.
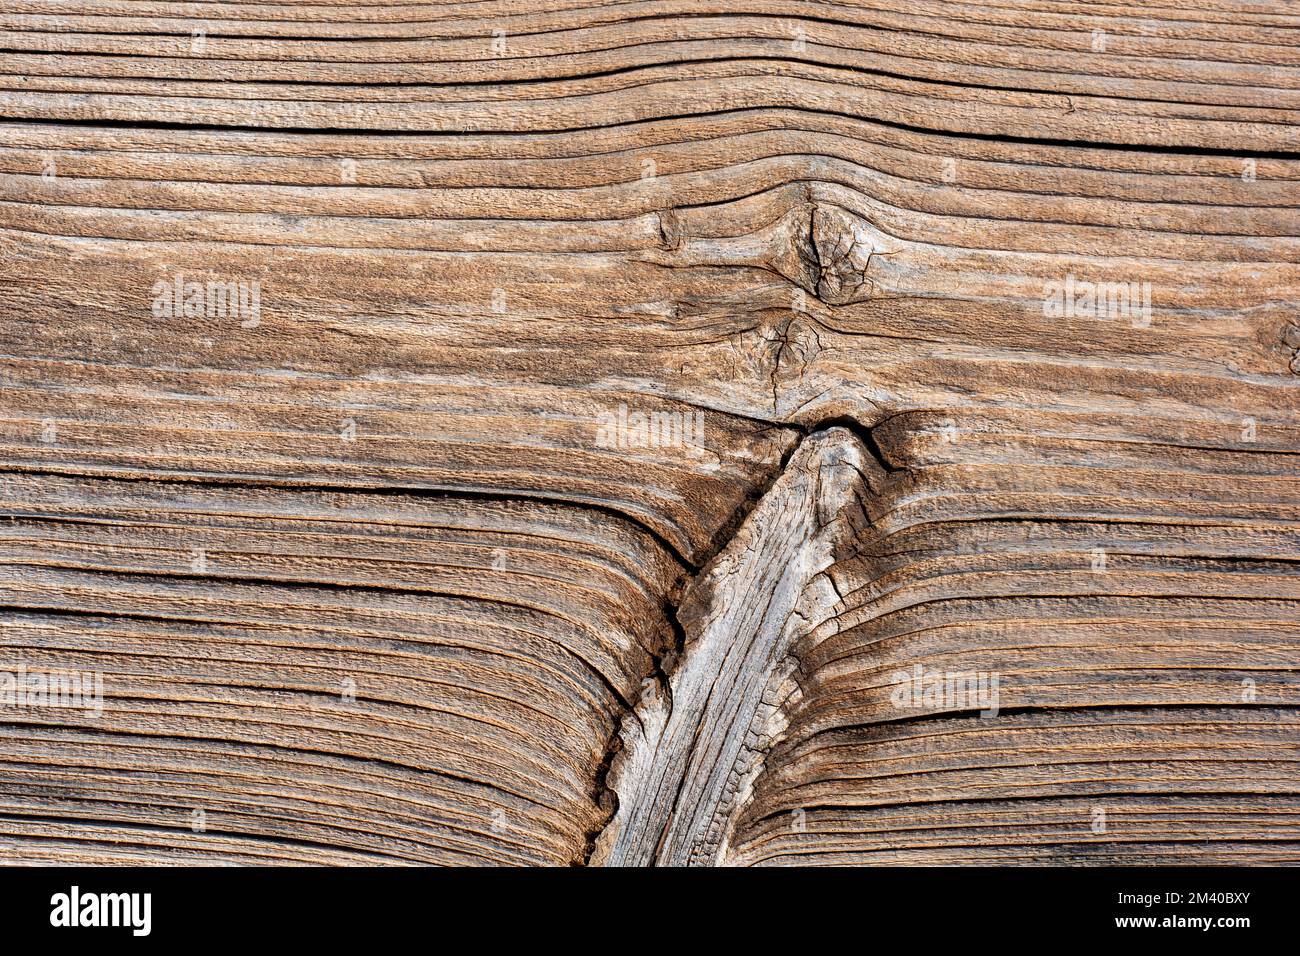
x=675, y=433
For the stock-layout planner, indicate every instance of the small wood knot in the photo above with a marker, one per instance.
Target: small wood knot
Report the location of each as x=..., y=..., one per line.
x=838, y=241
x=828, y=250
x=672, y=231
x=1291, y=338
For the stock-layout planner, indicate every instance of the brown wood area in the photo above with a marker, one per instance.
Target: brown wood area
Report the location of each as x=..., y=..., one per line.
x=650, y=433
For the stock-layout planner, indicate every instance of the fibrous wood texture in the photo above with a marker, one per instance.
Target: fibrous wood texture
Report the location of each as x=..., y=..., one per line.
x=686, y=432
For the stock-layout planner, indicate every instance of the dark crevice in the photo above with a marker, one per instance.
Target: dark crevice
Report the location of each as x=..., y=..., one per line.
x=604, y=796
x=866, y=435
x=663, y=663
x=955, y=135
x=1091, y=798
x=973, y=713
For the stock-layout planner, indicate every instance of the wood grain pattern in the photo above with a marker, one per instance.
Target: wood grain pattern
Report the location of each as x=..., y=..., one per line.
x=635, y=391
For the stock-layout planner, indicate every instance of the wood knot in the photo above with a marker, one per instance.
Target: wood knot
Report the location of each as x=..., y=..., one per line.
x=672, y=231
x=843, y=251
x=828, y=251
x=1291, y=339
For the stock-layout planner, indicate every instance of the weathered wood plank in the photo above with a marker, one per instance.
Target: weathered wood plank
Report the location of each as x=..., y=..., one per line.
x=501, y=250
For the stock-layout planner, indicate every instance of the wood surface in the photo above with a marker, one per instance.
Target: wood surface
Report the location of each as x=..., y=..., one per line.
x=365, y=576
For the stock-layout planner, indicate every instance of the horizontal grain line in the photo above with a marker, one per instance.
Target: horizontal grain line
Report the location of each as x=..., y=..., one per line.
x=1098, y=145
x=413, y=491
